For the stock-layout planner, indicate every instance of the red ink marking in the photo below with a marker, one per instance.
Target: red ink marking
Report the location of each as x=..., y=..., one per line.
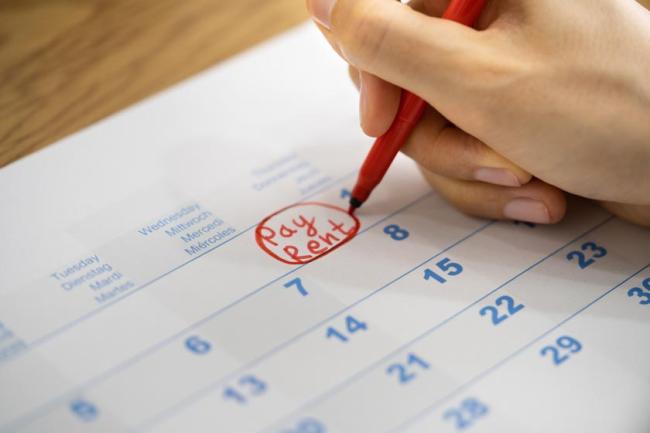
x=306, y=232
x=269, y=237
x=303, y=222
x=314, y=247
x=286, y=232
x=328, y=238
x=338, y=227
x=293, y=253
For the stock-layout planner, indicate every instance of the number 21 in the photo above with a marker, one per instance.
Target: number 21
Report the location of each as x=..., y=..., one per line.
x=404, y=371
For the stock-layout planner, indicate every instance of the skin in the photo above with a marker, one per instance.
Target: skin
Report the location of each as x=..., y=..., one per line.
x=543, y=99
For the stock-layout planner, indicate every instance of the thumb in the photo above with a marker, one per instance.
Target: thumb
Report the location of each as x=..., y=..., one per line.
x=405, y=47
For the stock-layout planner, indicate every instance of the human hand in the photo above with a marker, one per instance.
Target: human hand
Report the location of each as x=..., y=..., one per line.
x=547, y=97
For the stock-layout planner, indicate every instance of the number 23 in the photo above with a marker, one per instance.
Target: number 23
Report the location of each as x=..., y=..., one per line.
x=596, y=250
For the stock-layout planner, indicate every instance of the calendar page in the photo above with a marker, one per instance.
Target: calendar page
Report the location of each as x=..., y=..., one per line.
x=188, y=265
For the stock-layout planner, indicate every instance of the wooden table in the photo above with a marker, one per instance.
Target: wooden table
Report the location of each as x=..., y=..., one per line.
x=66, y=64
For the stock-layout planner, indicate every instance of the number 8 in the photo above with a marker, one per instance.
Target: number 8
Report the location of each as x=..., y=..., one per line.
x=396, y=232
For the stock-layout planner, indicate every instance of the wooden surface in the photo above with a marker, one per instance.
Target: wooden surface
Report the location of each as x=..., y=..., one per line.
x=65, y=64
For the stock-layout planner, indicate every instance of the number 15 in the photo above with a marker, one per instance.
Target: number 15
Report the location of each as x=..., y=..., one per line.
x=447, y=267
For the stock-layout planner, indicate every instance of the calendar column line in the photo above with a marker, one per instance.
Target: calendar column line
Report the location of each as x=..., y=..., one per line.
x=351, y=379
x=511, y=356
x=51, y=404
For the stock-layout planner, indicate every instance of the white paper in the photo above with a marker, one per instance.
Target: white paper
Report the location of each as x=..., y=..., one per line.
x=134, y=296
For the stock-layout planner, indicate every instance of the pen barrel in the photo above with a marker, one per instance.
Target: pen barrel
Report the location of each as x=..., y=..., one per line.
x=464, y=11
x=386, y=147
x=411, y=107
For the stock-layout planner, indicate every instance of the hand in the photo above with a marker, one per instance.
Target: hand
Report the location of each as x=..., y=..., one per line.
x=546, y=97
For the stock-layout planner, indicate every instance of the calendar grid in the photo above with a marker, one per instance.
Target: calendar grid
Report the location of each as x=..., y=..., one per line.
x=334, y=390
x=511, y=356
x=54, y=402
x=209, y=388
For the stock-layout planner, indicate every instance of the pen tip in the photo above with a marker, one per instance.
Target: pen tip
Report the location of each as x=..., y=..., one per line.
x=354, y=205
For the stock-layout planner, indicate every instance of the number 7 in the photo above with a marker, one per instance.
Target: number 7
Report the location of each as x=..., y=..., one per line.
x=298, y=283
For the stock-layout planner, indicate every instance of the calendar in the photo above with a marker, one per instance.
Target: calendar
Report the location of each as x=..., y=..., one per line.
x=188, y=265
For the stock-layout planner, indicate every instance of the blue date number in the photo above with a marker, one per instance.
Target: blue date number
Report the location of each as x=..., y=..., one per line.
x=588, y=254
x=641, y=292
x=445, y=267
x=502, y=302
x=562, y=350
x=465, y=415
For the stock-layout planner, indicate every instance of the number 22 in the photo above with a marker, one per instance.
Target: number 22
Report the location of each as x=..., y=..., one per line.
x=494, y=311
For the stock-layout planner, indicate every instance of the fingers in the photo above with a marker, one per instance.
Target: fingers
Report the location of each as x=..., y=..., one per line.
x=379, y=101
x=441, y=148
x=390, y=40
x=354, y=76
x=536, y=202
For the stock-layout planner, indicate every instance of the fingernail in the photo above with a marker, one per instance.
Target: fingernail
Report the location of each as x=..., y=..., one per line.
x=321, y=11
x=526, y=209
x=497, y=176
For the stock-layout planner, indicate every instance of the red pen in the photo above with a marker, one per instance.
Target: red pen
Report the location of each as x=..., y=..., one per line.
x=411, y=108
